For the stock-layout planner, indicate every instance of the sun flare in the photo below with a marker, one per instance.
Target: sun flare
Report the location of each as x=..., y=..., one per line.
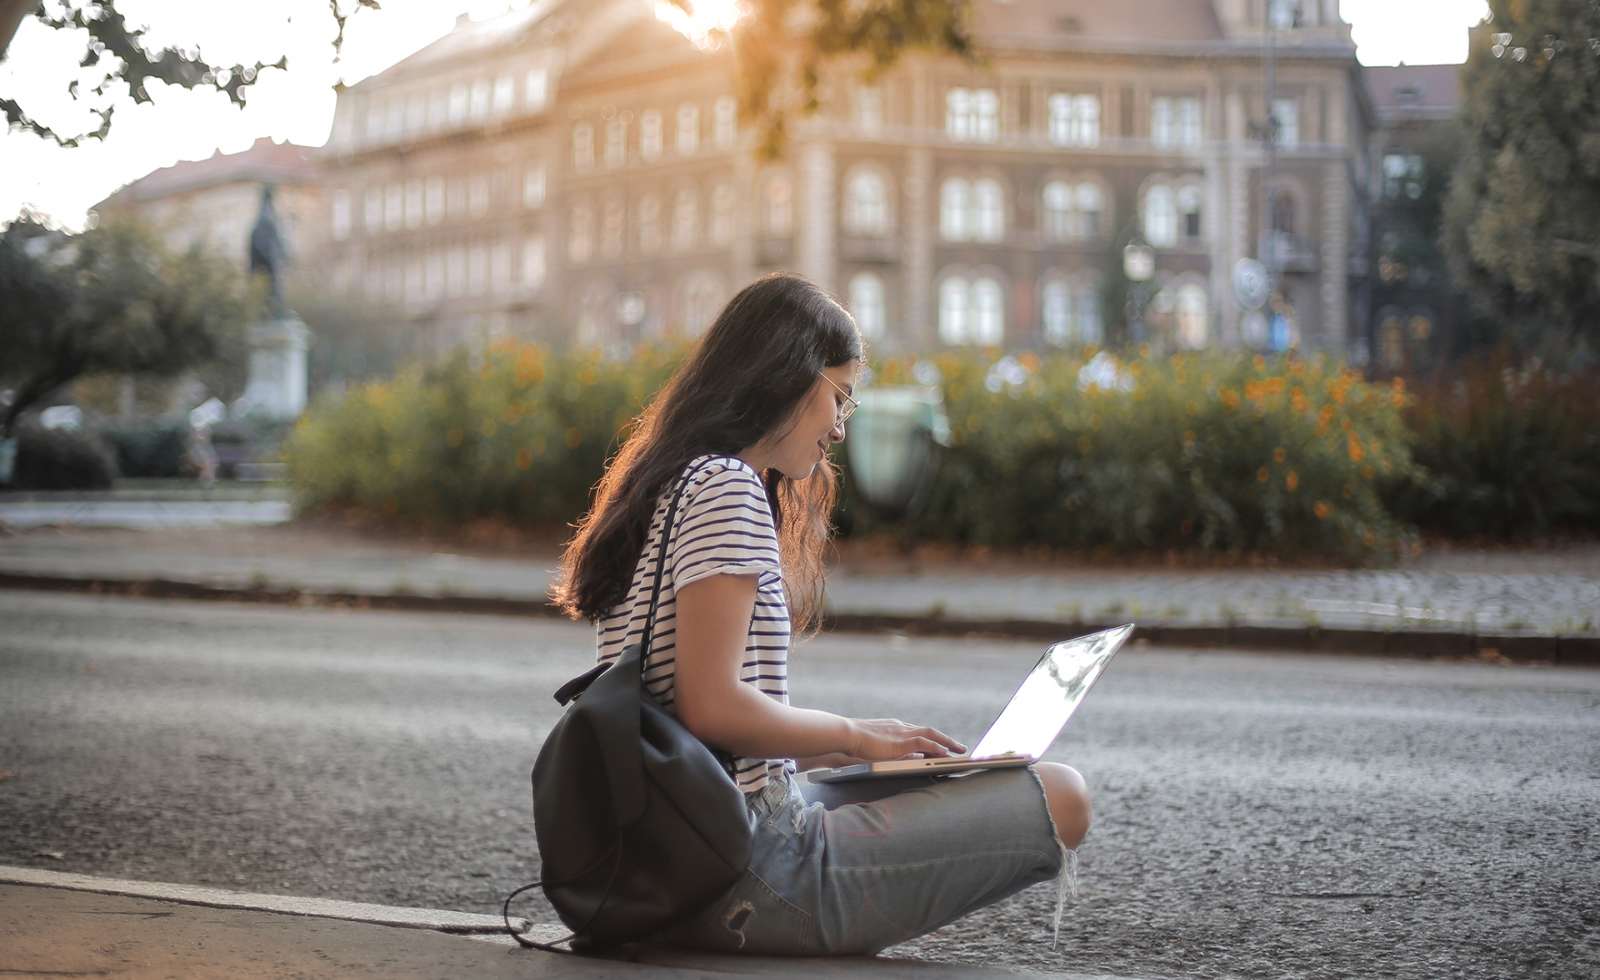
x=710, y=21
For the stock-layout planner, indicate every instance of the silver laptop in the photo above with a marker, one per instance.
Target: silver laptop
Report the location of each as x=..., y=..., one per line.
x=1031, y=721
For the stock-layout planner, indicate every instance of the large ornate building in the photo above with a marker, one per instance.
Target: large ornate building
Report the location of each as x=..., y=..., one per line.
x=576, y=172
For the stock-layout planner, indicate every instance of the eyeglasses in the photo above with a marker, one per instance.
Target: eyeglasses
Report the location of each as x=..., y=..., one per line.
x=850, y=404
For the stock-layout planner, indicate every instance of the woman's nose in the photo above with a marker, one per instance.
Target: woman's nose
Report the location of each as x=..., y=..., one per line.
x=836, y=434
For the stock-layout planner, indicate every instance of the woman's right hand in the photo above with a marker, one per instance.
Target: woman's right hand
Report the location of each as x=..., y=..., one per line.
x=887, y=739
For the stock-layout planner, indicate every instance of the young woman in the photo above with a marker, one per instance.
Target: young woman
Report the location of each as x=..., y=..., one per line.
x=743, y=430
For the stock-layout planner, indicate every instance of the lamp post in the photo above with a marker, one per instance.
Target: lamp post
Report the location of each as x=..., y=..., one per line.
x=1138, y=264
x=1280, y=14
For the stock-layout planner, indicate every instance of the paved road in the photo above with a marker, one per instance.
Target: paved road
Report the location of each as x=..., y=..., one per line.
x=1256, y=816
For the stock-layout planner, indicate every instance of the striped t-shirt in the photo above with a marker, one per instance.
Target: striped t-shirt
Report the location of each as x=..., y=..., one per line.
x=723, y=527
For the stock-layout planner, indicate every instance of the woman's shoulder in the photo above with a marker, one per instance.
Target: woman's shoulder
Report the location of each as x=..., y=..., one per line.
x=722, y=471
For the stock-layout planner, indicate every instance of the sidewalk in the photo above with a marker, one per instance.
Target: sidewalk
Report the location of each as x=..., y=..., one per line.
x=56, y=924
x=1524, y=606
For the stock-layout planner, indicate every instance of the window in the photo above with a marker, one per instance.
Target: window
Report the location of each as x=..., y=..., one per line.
x=1175, y=122
x=535, y=89
x=414, y=204
x=650, y=135
x=971, y=314
x=616, y=143
x=533, y=186
x=953, y=294
x=1074, y=120
x=988, y=224
x=394, y=122
x=955, y=197
x=1058, y=211
x=1402, y=173
x=688, y=129
x=650, y=224
x=685, y=218
x=477, y=270
x=613, y=223
x=1090, y=202
x=500, y=267
x=580, y=232
x=1160, y=216
x=341, y=215
x=1057, y=313
x=533, y=262
x=433, y=276
x=778, y=207
x=1283, y=213
x=372, y=214
x=1091, y=329
x=1286, y=116
x=458, y=103
x=504, y=88
x=438, y=102
x=455, y=198
x=866, y=109
x=583, y=147
x=455, y=271
x=477, y=197
x=478, y=108
x=725, y=121
x=1189, y=200
x=972, y=116
x=393, y=206
x=866, y=207
x=1191, y=316
x=866, y=303
x=433, y=200
x=722, y=214
x=416, y=113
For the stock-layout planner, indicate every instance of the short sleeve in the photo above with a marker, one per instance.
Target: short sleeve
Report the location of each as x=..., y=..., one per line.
x=726, y=527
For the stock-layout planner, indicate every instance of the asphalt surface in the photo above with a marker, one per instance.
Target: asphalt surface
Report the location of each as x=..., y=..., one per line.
x=1256, y=816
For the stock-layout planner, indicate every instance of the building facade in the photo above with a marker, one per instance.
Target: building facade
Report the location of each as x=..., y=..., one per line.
x=577, y=173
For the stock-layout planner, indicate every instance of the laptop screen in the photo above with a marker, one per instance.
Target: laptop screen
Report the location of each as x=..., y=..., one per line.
x=1049, y=695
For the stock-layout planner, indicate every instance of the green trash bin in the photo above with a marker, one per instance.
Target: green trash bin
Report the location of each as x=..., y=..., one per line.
x=890, y=445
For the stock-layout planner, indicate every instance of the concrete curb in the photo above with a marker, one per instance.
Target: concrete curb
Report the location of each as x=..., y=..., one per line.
x=438, y=920
x=1565, y=650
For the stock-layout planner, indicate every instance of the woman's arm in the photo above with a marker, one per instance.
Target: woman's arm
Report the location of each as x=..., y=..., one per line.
x=726, y=713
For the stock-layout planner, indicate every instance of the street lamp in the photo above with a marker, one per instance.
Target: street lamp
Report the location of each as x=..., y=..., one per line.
x=1138, y=264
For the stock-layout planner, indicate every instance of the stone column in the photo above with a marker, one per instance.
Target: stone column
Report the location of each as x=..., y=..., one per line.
x=917, y=264
x=816, y=245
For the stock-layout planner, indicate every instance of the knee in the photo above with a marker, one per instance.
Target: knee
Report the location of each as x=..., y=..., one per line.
x=1067, y=796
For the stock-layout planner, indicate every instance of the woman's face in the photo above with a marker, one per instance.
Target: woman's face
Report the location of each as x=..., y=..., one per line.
x=796, y=450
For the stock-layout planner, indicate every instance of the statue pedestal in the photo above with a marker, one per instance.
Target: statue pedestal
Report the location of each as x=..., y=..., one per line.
x=277, y=386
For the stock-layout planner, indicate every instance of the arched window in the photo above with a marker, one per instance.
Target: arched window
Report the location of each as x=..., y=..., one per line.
x=778, y=206
x=866, y=302
x=1086, y=120
x=685, y=218
x=1057, y=211
x=1160, y=216
x=722, y=213
x=702, y=298
x=1057, y=313
x=1090, y=201
x=1091, y=326
x=580, y=232
x=613, y=224
x=1192, y=331
x=985, y=116
x=650, y=135
x=616, y=143
x=582, y=147
x=988, y=224
x=866, y=209
x=650, y=224
x=953, y=320
x=958, y=115
x=688, y=129
x=988, y=312
x=955, y=197
x=1283, y=213
x=1189, y=200
x=725, y=121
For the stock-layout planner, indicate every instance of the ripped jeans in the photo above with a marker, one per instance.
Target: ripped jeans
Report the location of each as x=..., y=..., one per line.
x=857, y=867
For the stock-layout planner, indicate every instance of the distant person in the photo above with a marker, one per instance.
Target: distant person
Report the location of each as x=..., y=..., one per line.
x=745, y=425
x=201, y=457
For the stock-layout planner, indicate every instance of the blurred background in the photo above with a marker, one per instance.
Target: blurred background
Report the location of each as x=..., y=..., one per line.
x=1186, y=277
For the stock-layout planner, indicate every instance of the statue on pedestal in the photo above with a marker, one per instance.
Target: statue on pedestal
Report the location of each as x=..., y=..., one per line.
x=278, y=343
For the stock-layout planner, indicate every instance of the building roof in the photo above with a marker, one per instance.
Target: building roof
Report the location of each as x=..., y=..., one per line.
x=467, y=40
x=265, y=162
x=1414, y=91
x=1132, y=20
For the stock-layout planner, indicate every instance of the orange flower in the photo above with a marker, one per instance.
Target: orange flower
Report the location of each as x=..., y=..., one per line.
x=1292, y=481
x=1280, y=454
x=1354, y=447
x=1260, y=363
x=1321, y=509
x=1230, y=399
x=1262, y=475
x=1368, y=472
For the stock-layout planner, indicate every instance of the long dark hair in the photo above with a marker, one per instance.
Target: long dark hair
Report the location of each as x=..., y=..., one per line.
x=744, y=380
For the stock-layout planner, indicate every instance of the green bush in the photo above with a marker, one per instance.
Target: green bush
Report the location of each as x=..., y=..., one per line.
x=1513, y=450
x=61, y=459
x=519, y=433
x=150, y=449
x=1213, y=451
